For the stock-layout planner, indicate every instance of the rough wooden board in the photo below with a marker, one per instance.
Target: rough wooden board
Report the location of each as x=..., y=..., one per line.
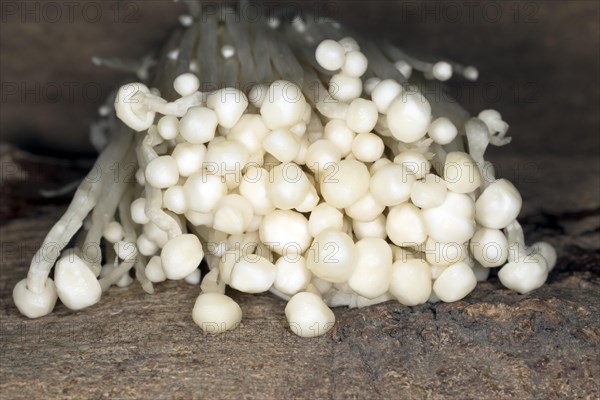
x=134, y=345
x=494, y=344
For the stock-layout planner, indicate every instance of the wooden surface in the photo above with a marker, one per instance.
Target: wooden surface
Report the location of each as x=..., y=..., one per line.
x=493, y=344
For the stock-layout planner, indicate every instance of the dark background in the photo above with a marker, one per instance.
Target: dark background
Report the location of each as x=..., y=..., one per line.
x=538, y=61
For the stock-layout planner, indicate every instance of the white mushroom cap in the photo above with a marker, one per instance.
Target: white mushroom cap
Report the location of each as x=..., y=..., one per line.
x=174, y=199
x=366, y=209
x=308, y=315
x=125, y=250
x=34, y=305
x=76, y=285
x=199, y=219
x=498, y=205
x=146, y=246
x=284, y=105
x=384, y=93
x=408, y=117
x=186, y=84
x=442, y=131
x=233, y=214
x=124, y=281
x=254, y=187
x=348, y=183
x=154, y=233
x=138, y=213
x=405, y=225
x=129, y=107
x=453, y=220
x=414, y=162
x=455, y=282
x=371, y=277
x=322, y=156
x=444, y=254
x=324, y=217
x=189, y=157
x=168, y=127
x=525, y=274
x=216, y=313
x=428, y=193
x=377, y=165
x=332, y=256
x=442, y=71
x=355, y=63
x=288, y=186
x=330, y=55
x=292, y=274
x=258, y=94
x=493, y=121
x=198, y=125
x=253, y=274
x=345, y=88
x=282, y=144
x=162, y=172
x=362, y=116
x=391, y=185
x=181, y=255
x=310, y=202
x=461, y=172
x=370, y=85
x=286, y=232
x=370, y=229
x=367, y=147
x=193, y=278
x=113, y=232
x=249, y=131
x=203, y=191
x=404, y=68
x=547, y=251
x=410, y=281
x=338, y=132
x=229, y=104
x=489, y=247
x=227, y=158
x=154, y=270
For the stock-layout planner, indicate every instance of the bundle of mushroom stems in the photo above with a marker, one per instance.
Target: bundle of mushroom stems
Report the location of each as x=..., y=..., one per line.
x=314, y=169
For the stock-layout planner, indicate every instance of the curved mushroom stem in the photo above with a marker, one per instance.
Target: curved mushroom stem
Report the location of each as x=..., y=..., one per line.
x=146, y=153
x=104, y=212
x=86, y=197
x=177, y=108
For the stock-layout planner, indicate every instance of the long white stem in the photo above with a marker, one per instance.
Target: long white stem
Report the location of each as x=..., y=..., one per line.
x=84, y=200
x=153, y=210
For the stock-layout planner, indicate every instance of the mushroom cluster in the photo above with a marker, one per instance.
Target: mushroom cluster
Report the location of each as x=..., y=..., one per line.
x=297, y=159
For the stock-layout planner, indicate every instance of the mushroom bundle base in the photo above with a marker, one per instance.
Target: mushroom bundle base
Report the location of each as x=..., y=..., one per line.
x=292, y=156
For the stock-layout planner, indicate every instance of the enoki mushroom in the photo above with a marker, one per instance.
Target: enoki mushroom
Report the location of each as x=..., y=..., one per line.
x=294, y=157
